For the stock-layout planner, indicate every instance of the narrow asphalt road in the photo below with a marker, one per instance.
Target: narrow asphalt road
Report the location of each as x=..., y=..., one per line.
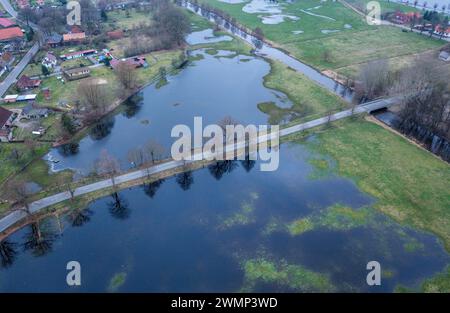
x=12, y=76
x=38, y=205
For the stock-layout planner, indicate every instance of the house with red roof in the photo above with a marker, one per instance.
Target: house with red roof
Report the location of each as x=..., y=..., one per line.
x=6, y=22
x=405, y=17
x=136, y=62
x=6, y=118
x=25, y=83
x=77, y=54
x=74, y=37
x=116, y=34
x=445, y=32
x=11, y=33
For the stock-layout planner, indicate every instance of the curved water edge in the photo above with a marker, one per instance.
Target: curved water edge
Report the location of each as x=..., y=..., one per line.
x=189, y=93
x=221, y=229
x=266, y=50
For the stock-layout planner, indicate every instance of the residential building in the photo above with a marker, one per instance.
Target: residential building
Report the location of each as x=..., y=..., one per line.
x=77, y=73
x=117, y=34
x=50, y=61
x=74, y=38
x=32, y=112
x=6, y=118
x=25, y=83
x=11, y=33
x=6, y=22
x=136, y=62
x=77, y=54
x=53, y=40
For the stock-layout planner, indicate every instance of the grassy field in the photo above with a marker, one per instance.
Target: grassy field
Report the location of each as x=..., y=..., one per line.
x=346, y=47
x=121, y=20
x=308, y=98
x=410, y=184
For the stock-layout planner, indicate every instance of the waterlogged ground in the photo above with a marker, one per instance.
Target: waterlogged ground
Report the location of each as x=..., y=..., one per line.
x=213, y=86
x=228, y=227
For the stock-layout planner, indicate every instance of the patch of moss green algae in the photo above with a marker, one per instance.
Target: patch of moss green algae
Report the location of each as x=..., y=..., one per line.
x=295, y=277
x=336, y=217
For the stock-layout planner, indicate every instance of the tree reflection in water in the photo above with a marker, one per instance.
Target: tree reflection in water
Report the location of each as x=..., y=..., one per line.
x=39, y=239
x=221, y=167
x=185, y=180
x=118, y=207
x=8, y=253
x=79, y=217
x=150, y=189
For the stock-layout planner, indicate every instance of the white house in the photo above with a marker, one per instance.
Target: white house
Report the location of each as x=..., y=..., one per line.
x=50, y=61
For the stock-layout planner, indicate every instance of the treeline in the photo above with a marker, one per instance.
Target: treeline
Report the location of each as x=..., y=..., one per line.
x=168, y=28
x=423, y=90
x=224, y=19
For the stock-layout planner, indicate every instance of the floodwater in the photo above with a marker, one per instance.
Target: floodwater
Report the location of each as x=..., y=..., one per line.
x=214, y=87
x=222, y=229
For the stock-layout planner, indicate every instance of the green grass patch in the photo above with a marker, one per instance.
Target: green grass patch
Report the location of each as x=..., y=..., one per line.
x=336, y=217
x=438, y=283
x=349, y=46
x=295, y=277
x=117, y=281
x=411, y=184
x=308, y=98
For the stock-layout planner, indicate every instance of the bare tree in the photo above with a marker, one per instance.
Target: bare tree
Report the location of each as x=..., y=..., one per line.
x=107, y=165
x=154, y=151
x=126, y=75
x=93, y=97
x=137, y=156
x=19, y=193
x=65, y=183
x=374, y=79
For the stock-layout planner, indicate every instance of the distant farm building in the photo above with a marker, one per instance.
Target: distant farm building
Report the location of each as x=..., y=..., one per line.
x=31, y=112
x=74, y=38
x=77, y=73
x=9, y=34
x=117, y=34
x=136, y=62
x=50, y=61
x=6, y=118
x=6, y=22
x=78, y=54
x=53, y=40
x=25, y=83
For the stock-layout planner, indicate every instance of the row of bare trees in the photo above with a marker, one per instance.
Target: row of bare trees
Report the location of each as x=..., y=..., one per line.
x=422, y=88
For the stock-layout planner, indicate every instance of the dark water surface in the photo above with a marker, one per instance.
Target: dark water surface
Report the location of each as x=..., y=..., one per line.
x=196, y=232
x=214, y=87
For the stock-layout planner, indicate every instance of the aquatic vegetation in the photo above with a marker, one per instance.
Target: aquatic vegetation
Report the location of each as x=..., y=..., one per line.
x=300, y=226
x=413, y=190
x=117, y=281
x=438, y=283
x=413, y=246
x=295, y=277
x=336, y=217
x=272, y=226
x=243, y=217
x=321, y=168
